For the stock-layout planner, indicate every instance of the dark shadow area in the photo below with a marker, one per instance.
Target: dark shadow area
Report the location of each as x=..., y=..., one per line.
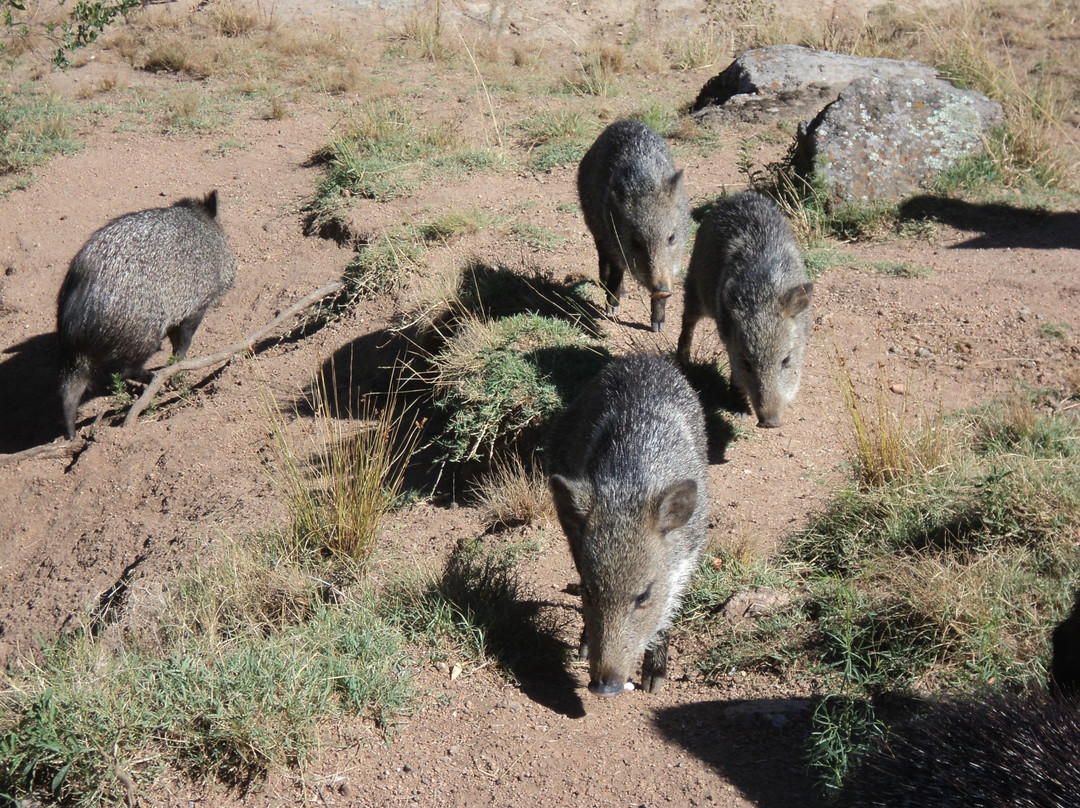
x=999, y=225
x=758, y=746
x=370, y=365
x=700, y=213
x=493, y=292
x=30, y=410
x=569, y=367
x=519, y=633
x=719, y=401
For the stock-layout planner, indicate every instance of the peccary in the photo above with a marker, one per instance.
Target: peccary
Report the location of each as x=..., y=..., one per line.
x=746, y=273
x=140, y=278
x=635, y=206
x=989, y=752
x=627, y=463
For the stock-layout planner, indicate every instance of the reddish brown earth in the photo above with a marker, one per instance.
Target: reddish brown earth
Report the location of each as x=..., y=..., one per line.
x=136, y=503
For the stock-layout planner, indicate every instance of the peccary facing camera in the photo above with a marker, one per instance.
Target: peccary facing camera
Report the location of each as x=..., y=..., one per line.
x=990, y=752
x=635, y=207
x=140, y=278
x=746, y=273
x=627, y=465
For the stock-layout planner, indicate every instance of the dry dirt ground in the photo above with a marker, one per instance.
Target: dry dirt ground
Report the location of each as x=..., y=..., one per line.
x=136, y=503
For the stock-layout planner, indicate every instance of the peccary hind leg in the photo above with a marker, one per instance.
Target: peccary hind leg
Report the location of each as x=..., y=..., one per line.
x=654, y=667
x=180, y=336
x=72, y=388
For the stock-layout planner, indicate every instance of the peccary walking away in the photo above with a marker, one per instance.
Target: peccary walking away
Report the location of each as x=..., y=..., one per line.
x=634, y=205
x=746, y=273
x=627, y=463
x=140, y=278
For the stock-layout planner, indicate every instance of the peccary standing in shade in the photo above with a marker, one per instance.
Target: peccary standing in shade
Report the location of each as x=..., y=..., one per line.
x=635, y=206
x=140, y=278
x=626, y=463
x=747, y=274
x=997, y=751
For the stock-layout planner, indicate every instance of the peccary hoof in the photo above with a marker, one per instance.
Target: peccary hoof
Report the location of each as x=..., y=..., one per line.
x=651, y=684
x=657, y=325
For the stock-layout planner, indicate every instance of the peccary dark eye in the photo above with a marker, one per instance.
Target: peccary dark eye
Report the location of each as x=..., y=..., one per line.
x=671, y=239
x=643, y=598
x=786, y=362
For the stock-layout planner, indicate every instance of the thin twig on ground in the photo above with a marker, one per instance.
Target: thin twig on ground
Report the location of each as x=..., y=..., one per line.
x=161, y=376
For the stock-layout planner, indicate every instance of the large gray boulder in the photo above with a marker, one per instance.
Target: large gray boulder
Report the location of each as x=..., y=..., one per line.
x=883, y=138
x=790, y=81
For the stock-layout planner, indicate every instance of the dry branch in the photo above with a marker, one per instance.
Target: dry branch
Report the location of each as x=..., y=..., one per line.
x=161, y=376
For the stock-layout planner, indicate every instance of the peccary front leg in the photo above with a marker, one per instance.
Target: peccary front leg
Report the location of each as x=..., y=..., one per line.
x=654, y=668
x=692, y=312
x=180, y=336
x=583, y=647
x=611, y=278
x=659, y=308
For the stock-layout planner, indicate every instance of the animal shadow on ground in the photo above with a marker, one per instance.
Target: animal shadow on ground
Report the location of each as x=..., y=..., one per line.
x=719, y=401
x=30, y=411
x=520, y=634
x=757, y=746
x=1001, y=225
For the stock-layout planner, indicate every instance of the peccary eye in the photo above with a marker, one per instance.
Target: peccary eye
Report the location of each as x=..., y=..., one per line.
x=643, y=598
x=786, y=362
x=671, y=239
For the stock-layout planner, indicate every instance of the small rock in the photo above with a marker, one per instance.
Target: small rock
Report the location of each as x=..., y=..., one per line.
x=1024, y=315
x=924, y=353
x=899, y=389
x=753, y=604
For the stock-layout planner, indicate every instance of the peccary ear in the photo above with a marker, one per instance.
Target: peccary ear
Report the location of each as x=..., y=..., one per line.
x=796, y=299
x=674, y=183
x=573, y=501
x=675, y=505
x=210, y=203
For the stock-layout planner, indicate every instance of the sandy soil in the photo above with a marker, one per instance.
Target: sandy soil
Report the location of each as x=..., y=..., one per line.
x=131, y=508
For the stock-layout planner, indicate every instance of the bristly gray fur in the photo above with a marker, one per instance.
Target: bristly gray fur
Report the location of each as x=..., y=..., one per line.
x=634, y=203
x=994, y=751
x=747, y=274
x=140, y=278
x=627, y=466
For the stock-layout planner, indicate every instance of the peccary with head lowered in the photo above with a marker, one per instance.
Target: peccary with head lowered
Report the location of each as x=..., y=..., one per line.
x=747, y=274
x=627, y=462
x=635, y=207
x=140, y=278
